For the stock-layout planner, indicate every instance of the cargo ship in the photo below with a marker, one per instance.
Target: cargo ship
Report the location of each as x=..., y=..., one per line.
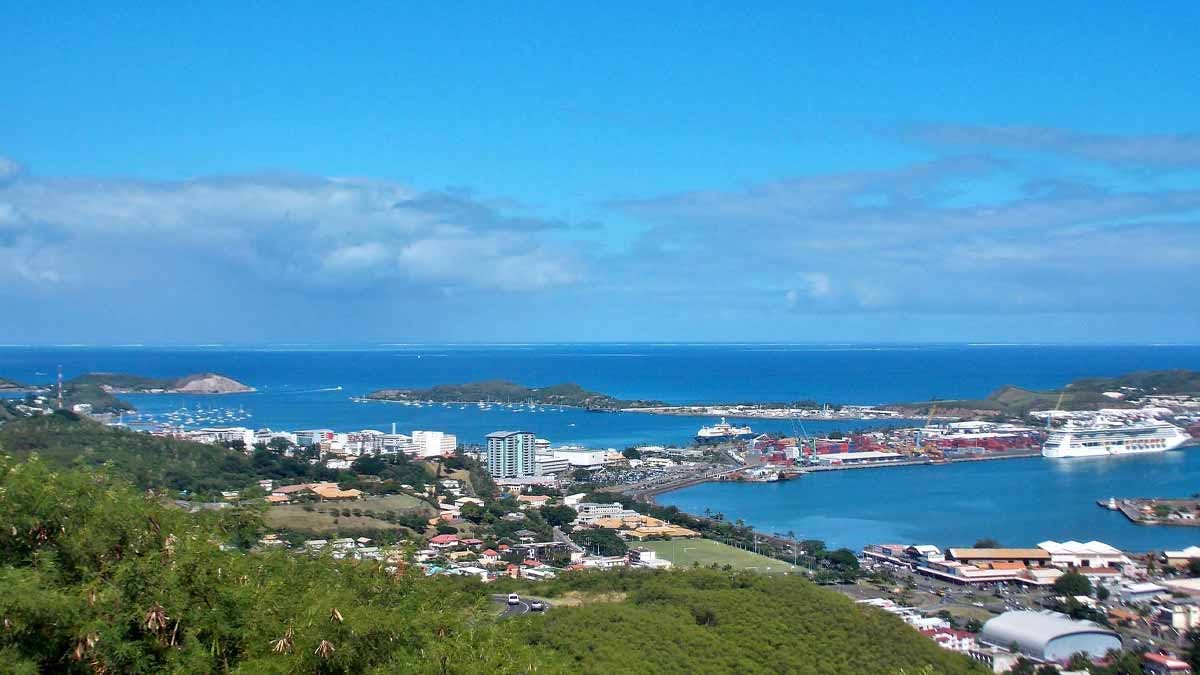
x=724, y=431
x=1100, y=439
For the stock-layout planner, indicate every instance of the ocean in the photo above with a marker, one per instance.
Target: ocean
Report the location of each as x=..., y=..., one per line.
x=1017, y=501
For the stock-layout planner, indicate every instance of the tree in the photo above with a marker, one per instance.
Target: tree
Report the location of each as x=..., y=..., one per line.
x=557, y=516
x=472, y=512
x=1023, y=666
x=1193, y=567
x=632, y=453
x=601, y=541
x=987, y=542
x=1192, y=655
x=369, y=465
x=1046, y=669
x=1079, y=661
x=974, y=625
x=279, y=444
x=1072, y=583
x=1101, y=593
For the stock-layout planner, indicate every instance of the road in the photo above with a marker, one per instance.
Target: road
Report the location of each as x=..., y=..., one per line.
x=518, y=609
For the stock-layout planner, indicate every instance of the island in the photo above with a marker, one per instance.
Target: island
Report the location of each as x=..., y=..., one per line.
x=502, y=391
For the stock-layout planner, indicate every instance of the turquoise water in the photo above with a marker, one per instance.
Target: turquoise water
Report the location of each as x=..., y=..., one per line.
x=1018, y=502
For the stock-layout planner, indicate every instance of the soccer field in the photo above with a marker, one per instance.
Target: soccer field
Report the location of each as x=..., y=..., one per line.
x=683, y=552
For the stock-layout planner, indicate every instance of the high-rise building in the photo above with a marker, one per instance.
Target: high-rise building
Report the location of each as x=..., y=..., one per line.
x=511, y=454
x=434, y=443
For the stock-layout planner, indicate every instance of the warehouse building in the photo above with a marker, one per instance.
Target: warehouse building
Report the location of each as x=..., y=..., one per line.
x=1049, y=636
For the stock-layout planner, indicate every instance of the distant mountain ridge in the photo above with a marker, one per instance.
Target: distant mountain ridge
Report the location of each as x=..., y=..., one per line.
x=503, y=391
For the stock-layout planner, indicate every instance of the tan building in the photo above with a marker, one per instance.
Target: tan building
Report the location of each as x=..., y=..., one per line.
x=1030, y=557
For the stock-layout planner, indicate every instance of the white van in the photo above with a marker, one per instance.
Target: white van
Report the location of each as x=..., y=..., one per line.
x=514, y=599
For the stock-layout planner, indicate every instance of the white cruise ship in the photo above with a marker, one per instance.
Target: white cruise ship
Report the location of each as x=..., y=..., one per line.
x=1101, y=440
x=722, y=432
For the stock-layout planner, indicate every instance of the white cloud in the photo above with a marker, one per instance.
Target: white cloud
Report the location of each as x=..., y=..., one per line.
x=286, y=231
x=906, y=240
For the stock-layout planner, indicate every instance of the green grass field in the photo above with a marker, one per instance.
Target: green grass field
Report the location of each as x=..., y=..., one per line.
x=319, y=521
x=684, y=552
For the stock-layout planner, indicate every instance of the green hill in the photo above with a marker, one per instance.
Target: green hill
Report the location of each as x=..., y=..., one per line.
x=6, y=383
x=100, y=578
x=65, y=440
x=1082, y=394
x=501, y=391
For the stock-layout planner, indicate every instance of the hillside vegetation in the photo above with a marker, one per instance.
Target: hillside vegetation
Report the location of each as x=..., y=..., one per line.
x=65, y=439
x=569, y=394
x=102, y=578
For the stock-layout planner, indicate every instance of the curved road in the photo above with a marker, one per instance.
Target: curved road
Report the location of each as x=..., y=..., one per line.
x=521, y=607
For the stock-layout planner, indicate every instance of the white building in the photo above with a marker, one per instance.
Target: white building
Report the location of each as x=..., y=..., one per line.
x=547, y=464
x=1076, y=554
x=644, y=557
x=581, y=458
x=223, y=435
x=399, y=443
x=434, y=443
x=590, y=512
x=511, y=454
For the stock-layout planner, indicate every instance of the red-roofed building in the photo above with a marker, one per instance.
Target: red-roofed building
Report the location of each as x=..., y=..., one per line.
x=513, y=571
x=531, y=563
x=954, y=640
x=490, y=556
x=444, y=541
x=1161, y=664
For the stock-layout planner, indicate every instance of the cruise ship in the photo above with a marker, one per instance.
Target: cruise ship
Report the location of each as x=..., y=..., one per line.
x=1101, y=440
x=724, y=431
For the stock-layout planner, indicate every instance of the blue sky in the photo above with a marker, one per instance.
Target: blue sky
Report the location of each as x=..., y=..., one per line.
x=604, y=171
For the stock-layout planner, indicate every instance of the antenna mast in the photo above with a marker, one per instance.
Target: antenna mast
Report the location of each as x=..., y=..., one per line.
x=60, y=398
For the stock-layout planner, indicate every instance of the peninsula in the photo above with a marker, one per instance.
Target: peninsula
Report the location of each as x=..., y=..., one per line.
x=196, y=383
x=1090, y=393
x=98, y=390
x=502, y=391
x=10, y=385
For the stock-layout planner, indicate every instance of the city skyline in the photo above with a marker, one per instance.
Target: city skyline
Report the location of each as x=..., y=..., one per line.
x=594, y=173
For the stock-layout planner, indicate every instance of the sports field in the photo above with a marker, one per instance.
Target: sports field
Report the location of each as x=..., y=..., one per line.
x=683, y=552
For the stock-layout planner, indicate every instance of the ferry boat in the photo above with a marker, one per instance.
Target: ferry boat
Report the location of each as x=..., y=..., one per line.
x=1100, y=439
x=724, y=431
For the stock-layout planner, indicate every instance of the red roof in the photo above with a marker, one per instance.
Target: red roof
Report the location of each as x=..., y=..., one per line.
x=472, y=542
x=530, y=563
x=444, y=539
x=490, y=552
x=1167, y=661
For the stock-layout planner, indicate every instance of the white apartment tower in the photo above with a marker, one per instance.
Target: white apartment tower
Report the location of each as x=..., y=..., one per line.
x=511, y=454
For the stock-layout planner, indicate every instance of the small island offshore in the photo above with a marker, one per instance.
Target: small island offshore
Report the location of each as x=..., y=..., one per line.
x=502, y=391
